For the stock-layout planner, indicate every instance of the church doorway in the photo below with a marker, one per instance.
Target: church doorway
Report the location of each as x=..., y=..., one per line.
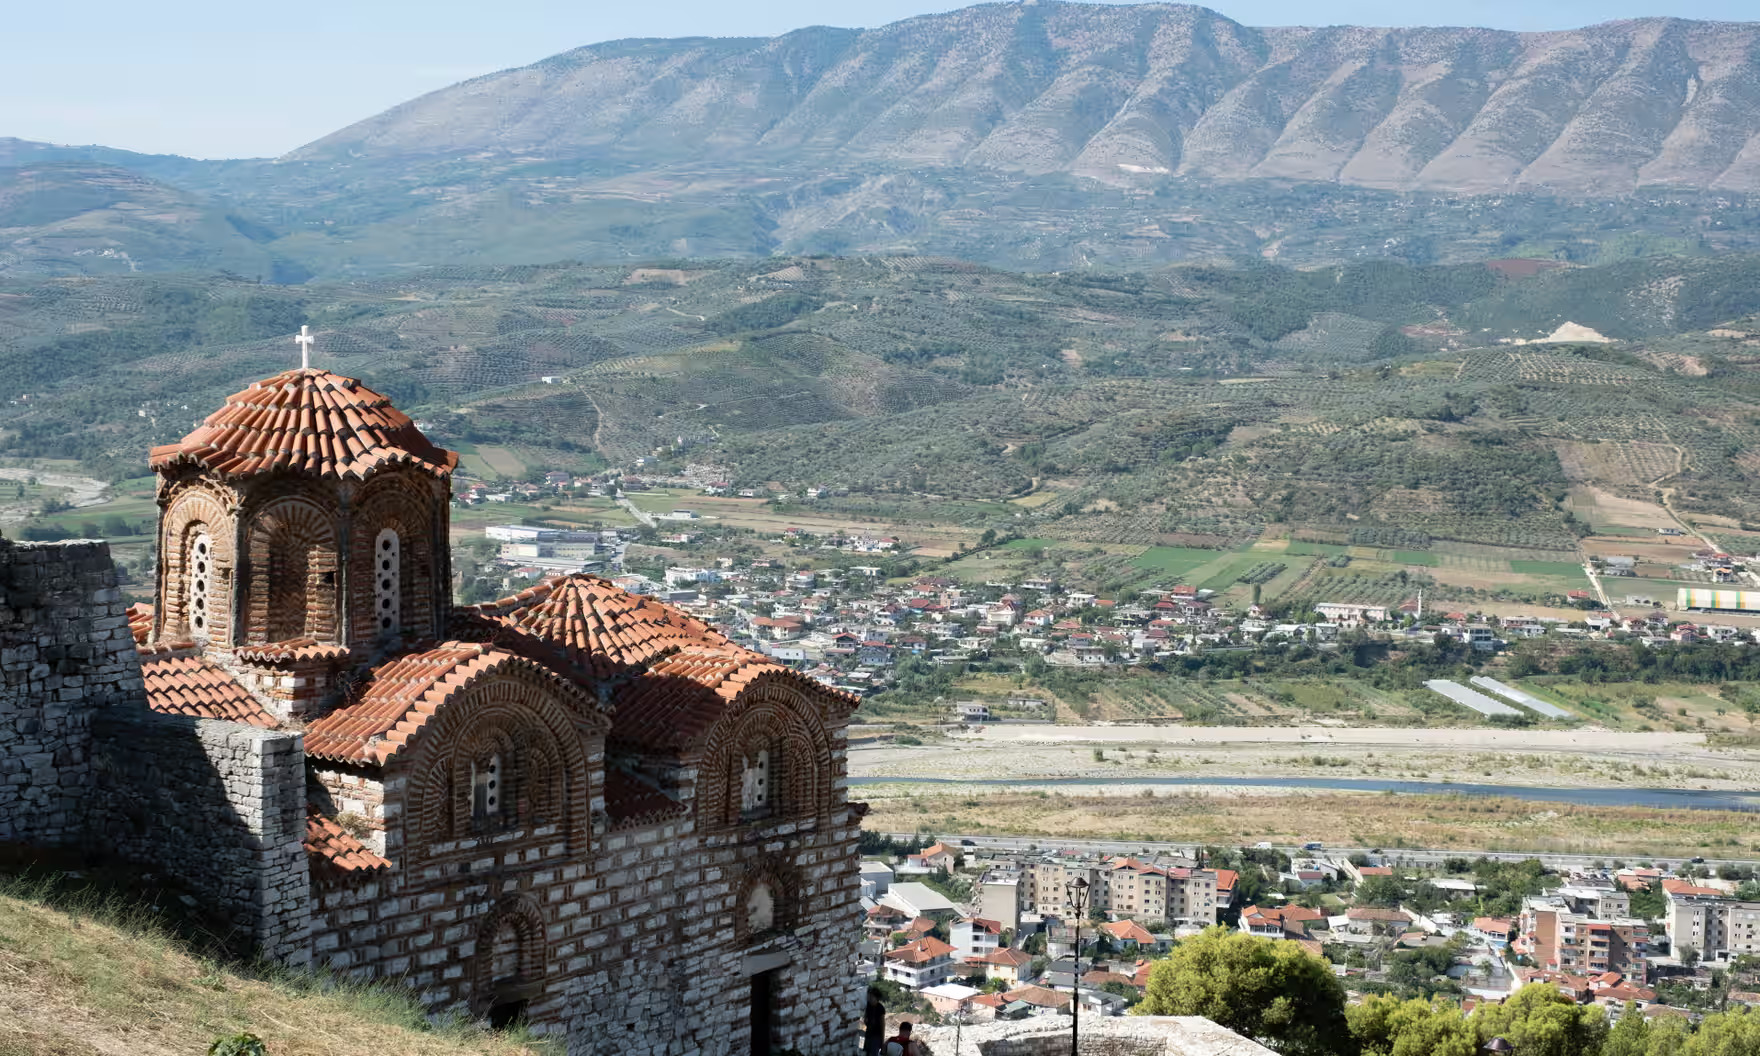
x=506, y=1014
x=763, y=1013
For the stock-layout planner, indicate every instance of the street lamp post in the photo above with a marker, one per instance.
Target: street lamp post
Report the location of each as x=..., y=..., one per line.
x=1078, y=900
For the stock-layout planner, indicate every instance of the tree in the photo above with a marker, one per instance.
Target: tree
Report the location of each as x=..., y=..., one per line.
x=1735, y=1032
x=1540, y=1021
x=1630, y=1036
x=1272, y=991
x=1387, y=1026
x=1381, y=891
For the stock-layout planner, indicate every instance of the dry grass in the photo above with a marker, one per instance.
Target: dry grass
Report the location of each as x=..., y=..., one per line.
x=97, y=977
x=1347, y=819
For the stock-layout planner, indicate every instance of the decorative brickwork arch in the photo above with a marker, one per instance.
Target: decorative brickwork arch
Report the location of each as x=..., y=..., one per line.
x=535, y=727
x=769, y=901
x=290, y=585
x=193, y=515
x=509, y=962
x=781, y=725
x=404, y=504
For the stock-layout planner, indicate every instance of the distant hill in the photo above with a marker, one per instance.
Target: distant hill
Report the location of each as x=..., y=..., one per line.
x=83, y=218
x=1128, y=93
x=1369, y=401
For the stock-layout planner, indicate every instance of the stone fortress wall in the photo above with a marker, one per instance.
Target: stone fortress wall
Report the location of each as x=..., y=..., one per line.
x=218, y=805
x=84, y=765
x=66, y=654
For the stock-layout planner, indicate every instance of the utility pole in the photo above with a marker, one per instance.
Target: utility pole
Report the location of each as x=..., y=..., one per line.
x=1078, y=900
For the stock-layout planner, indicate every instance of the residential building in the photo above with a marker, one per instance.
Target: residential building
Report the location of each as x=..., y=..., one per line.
x=924, y=963
x=1563, y=941
x=999, y=900
x=1006, y=964
x=919, y=900
x=877, y=875
x=975, y=937
x=1710, y=922
x=950, y=998
x=935, y=856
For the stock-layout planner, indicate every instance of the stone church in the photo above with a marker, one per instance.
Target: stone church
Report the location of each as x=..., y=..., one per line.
x=575, y=806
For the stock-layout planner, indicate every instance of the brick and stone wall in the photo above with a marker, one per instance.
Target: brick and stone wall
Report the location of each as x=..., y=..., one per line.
x=218, y=805
x=66, y=653
x=631, y=937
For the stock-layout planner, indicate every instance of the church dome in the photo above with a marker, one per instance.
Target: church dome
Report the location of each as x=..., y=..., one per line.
x=306, y=421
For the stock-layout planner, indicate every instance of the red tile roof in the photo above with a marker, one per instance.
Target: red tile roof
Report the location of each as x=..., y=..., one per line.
x=1006, y=958
x=403, y=695
x=1676, y=886
x=332, y=843
x=1128, y=931
x=601, y=625
x=140, y=621
x=1037, y=995
x=190, y=685
x=921, y=951
x=307, y=421
x=681, y=674
x=291, y=649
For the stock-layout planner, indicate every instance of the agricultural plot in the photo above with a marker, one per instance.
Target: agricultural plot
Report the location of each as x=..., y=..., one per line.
x=1652, y=705
x=1520, y=696
x=1468, y=698
x=1173, y=561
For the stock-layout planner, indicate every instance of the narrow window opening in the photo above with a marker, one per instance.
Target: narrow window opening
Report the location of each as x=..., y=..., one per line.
x=387, y=586
x=201, y=578
x=486, y=790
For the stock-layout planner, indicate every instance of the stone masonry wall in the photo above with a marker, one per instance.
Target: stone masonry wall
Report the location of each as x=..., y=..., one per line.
x=634, y=945
x=65, y=654
x=218, y=805
x=1100, y=1036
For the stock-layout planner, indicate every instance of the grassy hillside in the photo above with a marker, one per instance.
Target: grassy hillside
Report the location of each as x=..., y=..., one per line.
x=92, y=978
x=1368, y=406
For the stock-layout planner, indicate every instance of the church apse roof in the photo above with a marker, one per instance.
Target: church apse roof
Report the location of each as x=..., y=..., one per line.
x=403, y=696
x=306, y=421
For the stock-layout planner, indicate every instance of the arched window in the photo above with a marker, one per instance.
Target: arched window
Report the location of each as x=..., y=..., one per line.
x=486, y=790
x=757, y=780
x=201, y=578
x=387, y=582
x=760, y=909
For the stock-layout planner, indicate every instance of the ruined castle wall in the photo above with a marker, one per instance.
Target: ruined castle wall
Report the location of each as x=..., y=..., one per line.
x=218, y=805
x=65, y=654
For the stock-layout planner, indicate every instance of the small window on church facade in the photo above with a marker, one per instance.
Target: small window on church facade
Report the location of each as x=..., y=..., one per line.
x=756, y=785
x=486, y=790
x=387, y=589
x=201, y=578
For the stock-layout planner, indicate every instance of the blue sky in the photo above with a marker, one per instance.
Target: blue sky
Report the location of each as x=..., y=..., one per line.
x=212, y=79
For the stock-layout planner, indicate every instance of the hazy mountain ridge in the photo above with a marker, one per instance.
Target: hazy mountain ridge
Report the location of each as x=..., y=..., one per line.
x=1120, y=93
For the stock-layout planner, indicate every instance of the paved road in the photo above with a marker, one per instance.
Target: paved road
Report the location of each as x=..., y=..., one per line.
x=637, y=512
x=1394, y=855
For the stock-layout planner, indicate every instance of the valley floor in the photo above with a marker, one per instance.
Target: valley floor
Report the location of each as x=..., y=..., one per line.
x=1557, y=758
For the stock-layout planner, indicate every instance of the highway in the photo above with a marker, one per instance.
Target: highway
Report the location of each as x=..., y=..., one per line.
x=1392, y=855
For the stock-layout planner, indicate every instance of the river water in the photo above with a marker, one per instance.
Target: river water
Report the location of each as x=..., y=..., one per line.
x=1692, y=798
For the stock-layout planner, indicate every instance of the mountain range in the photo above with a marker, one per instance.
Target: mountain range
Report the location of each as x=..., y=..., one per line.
x=1032, y=135
x=1114, y=93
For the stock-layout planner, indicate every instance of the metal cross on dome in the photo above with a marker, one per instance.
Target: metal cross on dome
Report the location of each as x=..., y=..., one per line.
x=304, y=340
